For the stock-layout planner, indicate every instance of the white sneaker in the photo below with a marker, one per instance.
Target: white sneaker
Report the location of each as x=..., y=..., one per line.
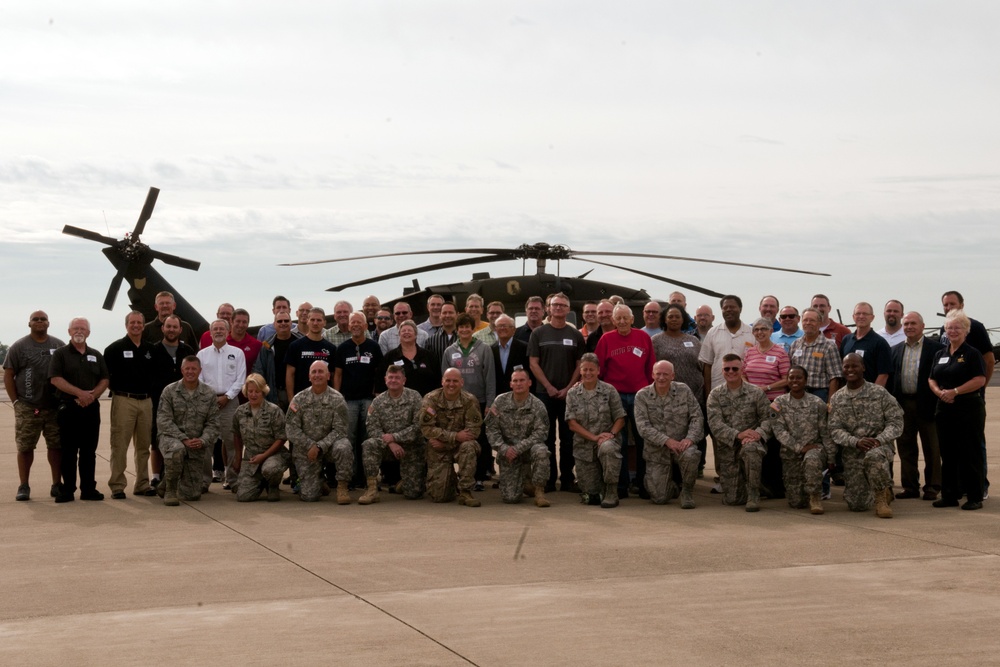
x=826, y=496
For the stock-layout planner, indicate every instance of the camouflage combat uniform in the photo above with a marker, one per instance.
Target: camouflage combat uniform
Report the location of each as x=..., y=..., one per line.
x=676, y=415
x=872, y=412
x=597, y=411
x=796, y=424
x=523, y=427
x=321, y=420
x=183, y=415
x=730, y=413
x=400, y=417
x=443, y=419
x=257, y=433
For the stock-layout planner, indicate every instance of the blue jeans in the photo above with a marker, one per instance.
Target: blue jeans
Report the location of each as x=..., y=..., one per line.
x=357, y=431
x=628, y=402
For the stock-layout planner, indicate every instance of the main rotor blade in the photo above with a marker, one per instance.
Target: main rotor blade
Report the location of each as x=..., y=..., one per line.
x=147, y=211
x=454, y=251
x=116, y=285
x=89, y=235
x=422, y=269
x=175, y=260
x=696, y=259
x=696, y=288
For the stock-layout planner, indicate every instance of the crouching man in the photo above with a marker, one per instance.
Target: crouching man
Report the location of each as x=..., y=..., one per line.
x=187, y=422
x=394, y=431
x=864, y=420
x=316, y=426
x=517, y=425
x=670, y=421
x=451, y=421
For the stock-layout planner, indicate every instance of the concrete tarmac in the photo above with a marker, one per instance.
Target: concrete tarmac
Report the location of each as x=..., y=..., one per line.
x=403, y=582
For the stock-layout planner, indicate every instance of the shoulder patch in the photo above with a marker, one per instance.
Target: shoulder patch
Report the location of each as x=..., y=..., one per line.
x=293, y=407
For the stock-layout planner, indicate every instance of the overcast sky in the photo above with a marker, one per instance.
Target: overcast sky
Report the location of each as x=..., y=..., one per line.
x=856, y=138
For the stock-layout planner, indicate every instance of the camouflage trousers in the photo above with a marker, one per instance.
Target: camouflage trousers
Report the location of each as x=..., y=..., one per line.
x=864, y=473
x=255, y=478
x=412, y=467
x=534, y=462
x=659, y=460
x=803, y=475
x=597, y=465
x=185, y=466
x=29, y=423
x=311, y=472
x=738, y=466
x=441, y=470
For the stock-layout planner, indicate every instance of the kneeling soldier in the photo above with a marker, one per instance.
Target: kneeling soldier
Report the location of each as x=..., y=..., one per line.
x=517, y=425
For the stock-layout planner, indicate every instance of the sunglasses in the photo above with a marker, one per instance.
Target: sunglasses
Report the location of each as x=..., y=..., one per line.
x=730, y=369
x=787, y=316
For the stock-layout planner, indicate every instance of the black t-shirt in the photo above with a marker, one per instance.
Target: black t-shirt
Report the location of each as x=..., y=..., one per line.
x=873, y=349
x=130, y=366
x=302, y=353
x=280, y=349
x=558, y=352
x=953, y=370
x=358, y=366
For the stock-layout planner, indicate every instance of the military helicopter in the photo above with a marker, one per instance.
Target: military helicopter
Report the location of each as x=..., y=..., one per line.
x=513, y=291
x=133, y=259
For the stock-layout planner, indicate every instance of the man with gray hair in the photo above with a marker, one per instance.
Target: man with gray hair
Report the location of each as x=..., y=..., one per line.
x=224, y=370
x=389, y=339
x=669, y=419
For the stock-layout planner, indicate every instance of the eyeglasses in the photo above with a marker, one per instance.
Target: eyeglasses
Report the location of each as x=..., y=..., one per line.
x=383, y=317
x=730, y=369
x=787, y=316
x=402, y=314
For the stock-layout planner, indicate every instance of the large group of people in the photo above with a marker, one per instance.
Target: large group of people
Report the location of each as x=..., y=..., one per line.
x=792, y=404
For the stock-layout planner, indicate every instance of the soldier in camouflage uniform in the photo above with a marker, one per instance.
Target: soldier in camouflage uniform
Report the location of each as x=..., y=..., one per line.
x=394, y=431
x=316, y=426
x=669, y=419
x=450, y=421
x=864, y=421
x=517, y=425
x=739, y=418
x=595, y=414
x=187, y=422
x=259, y=438
x=800, y=425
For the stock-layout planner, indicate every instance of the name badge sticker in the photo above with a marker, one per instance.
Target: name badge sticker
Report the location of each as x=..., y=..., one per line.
x=943, y=360
x=817, y=355
x=688, y=343
x=365, y=360
x=860, y=353
x=127, y=354
x=456, y=355
x=769, y=359
x=398, y=363
x=798, y=353
x=637, y=352
x=91, y=357
x=568, y=342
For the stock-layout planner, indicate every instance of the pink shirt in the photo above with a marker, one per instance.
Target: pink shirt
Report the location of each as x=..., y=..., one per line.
x=626, y=361
x=768, y=368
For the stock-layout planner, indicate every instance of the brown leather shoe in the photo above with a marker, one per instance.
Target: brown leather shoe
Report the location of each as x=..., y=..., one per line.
x=930, y=495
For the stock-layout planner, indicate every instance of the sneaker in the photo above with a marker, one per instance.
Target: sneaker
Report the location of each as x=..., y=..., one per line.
x=227, y=486
x=54, y=491
x=23, y=492
x=154, y=482
x=478, y=486
x=217, y=475
x=716, y=488
x=986, y=493
x=826, y=495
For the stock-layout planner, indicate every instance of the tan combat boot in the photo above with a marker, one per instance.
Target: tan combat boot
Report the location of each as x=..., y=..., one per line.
x=687, y=497
x=610, y=496
x=815, y=503
x=273, y=494
x=882, y=509
x=753, y=499
x=343, y=496
x=465, y=498
x=170, y=493
x=371, y=493
x=540, y=499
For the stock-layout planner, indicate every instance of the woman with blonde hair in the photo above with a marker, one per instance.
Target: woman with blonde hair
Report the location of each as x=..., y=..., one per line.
x=259, y=438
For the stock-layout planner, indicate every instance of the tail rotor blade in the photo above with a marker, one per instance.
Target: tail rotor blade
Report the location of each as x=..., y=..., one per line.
x=116, y=285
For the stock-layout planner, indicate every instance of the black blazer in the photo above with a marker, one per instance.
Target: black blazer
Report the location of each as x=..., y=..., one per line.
x=518, y=357
x=926, y=400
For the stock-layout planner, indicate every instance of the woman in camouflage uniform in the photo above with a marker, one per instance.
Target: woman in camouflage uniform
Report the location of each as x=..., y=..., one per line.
x=259, y=436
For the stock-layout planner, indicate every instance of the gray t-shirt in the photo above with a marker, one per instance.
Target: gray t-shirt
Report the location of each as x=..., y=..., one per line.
x=30, y=362
x=558, y=352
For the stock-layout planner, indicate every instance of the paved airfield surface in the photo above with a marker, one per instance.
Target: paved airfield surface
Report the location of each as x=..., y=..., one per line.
x=402, y=582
